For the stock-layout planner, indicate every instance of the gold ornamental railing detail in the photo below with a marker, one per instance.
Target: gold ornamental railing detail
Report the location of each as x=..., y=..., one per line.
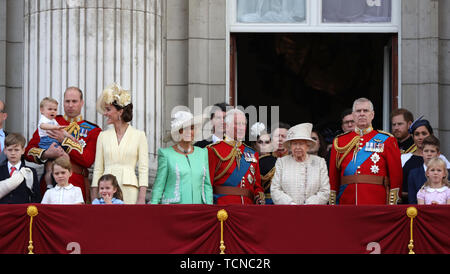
x=32, y=211
x=411, y=212
x=222, y=216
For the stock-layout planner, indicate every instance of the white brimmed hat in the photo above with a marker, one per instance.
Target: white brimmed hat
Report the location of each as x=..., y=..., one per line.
x=183, y=119
x=299, y=132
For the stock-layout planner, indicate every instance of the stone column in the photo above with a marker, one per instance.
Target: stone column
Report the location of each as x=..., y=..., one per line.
x=206, y=46
x=91, y=44
x=195, y=54
x=2, y=48
x=11, y=62
x=444, y=76
x=420, y=60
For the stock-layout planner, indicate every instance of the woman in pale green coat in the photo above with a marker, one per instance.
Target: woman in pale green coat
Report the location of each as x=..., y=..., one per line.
x=183, y=171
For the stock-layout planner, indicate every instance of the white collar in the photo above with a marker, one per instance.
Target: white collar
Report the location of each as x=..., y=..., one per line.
x=431, y=190
x=17, y=166
x=68, y=187
x=215, y=138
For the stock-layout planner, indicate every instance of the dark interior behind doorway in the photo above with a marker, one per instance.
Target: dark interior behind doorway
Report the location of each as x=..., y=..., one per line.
x=312, y=77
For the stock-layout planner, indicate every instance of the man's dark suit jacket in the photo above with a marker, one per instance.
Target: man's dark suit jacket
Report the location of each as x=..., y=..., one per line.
x=203, y=143
x=3, y=158
x=22, y=194
x=416, y=179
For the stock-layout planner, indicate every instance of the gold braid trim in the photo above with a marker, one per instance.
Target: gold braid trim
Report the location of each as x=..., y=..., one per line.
x=73, y=129
x=70, y=145
x=265, y=180
x=36, y=153
x=411, y=149
x=225, y=170
x=223, y=159
x=230, y=157
x=345, y=149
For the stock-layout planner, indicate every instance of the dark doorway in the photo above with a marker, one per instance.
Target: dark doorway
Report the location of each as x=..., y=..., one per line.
x=312, y=77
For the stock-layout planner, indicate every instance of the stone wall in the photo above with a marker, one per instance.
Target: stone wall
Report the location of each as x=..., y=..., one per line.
x=444, y=76
x=425, y=64
x=195, y=54
x=11, y=62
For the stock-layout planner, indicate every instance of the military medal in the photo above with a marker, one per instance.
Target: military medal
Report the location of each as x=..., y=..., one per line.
x=252, y=169
x=83, y=132
x=374, y=169
x=82, y=143
x=375, y=158
x=247, y=157
x=250, y=178
x=368, y=147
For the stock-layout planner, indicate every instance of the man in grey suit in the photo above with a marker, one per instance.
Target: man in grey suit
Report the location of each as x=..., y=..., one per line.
x=3, y=116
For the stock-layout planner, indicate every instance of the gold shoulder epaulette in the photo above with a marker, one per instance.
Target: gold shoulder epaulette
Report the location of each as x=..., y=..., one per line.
x=344, y=150
x=384, y=132
x=411, y=149
x=226, y=158
x=249, y=147
x=342, y=134
x=214, y=143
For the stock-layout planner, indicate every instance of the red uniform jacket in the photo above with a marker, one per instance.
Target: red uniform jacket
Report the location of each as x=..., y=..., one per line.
x=377, y=155
x=221, y=166
x=82, y=153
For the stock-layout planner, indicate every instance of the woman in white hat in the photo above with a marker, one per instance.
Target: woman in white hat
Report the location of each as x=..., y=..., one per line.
x=121, y=147
x=300, y=178
x=183, y=170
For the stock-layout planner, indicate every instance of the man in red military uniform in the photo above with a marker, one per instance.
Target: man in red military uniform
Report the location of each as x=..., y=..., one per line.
x=365, y=165
x=81, y=152
x=233, y=166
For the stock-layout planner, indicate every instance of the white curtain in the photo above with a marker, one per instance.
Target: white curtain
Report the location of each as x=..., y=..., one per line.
x=271, y=11
x=356, y=11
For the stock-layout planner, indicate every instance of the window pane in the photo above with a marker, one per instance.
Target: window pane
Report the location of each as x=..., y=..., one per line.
x=356, y=11
x=270, y=11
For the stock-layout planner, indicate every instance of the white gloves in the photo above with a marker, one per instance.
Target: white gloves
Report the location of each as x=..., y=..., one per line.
x=28, y=175
x=8, y=185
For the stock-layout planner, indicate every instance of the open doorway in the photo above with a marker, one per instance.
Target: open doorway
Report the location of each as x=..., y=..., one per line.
x=312, y=77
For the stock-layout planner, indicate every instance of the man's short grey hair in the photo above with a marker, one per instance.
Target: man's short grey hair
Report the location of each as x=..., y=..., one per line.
x=229, y=117
x=362, y=100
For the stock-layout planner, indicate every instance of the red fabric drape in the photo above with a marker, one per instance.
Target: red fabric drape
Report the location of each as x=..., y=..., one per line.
x=248, y=229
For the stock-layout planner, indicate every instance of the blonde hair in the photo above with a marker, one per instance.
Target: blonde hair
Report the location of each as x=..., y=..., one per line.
x=437, y=162
x=47, y=100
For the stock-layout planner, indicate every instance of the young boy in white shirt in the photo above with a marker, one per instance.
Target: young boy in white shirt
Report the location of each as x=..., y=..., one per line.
x=64, y=192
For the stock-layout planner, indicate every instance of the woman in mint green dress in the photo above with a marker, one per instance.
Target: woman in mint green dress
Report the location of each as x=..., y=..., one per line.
x=183, y=171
